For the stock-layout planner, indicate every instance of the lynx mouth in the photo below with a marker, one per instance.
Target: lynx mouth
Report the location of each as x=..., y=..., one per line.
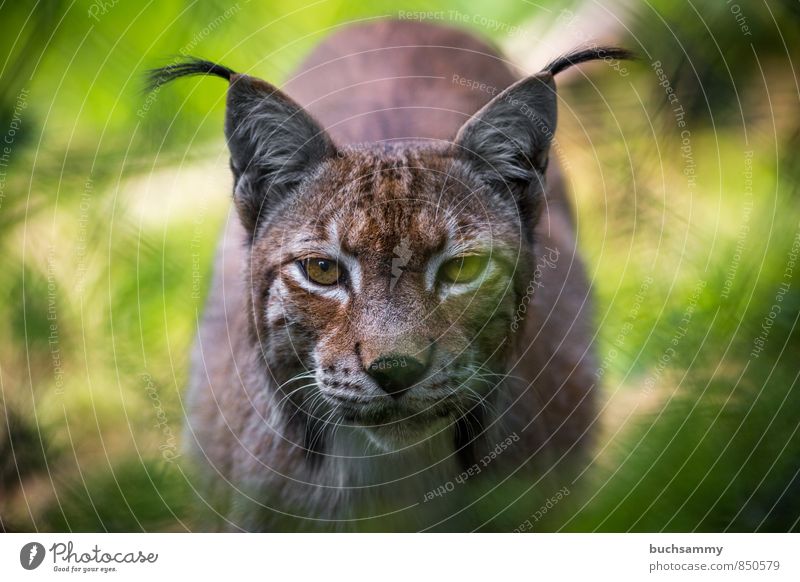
x=379, y=415
x=391, y=422
x=408, y=418
x=394, y=428
x=405, y=435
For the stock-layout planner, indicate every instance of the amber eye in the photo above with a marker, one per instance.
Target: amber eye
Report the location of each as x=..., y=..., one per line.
x=321, y=271
x=463, y=269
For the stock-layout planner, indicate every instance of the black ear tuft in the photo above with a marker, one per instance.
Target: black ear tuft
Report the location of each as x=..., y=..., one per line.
x=274, y=142
x=189, y=67
x=508, y=140
x=583, y=55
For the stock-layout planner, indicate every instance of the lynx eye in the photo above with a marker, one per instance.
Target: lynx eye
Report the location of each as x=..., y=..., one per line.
x=463, y=269
x=321, y=271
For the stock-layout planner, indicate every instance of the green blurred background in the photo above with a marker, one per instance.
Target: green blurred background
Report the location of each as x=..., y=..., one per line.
x=111, y=200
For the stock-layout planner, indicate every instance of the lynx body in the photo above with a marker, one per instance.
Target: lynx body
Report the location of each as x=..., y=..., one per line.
x=399, y=302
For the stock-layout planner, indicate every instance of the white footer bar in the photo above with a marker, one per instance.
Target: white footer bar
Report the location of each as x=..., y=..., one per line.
x=390, y=557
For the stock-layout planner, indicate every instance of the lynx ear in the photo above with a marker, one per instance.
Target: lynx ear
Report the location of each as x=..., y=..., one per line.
x=273, y=142
x=508, y=140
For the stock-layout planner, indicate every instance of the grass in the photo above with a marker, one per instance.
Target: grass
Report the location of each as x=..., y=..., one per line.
x=108, y=223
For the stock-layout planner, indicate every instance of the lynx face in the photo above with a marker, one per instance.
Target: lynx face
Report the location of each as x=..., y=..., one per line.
x=383, y=289
x=383, y=279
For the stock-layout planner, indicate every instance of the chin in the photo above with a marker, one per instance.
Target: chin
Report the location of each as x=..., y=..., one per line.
x=404, y=433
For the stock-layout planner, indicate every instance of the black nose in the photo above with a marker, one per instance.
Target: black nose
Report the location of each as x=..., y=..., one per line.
x=396, y=373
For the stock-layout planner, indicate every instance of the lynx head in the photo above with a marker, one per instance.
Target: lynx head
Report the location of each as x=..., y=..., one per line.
x=383, y=278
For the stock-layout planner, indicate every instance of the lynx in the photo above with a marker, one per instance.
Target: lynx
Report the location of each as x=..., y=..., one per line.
x=399, y=319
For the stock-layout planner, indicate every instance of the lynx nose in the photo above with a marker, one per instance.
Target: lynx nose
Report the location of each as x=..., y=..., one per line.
x=396, y=373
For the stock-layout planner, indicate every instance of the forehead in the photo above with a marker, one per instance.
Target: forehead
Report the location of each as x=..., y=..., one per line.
x=418, y=197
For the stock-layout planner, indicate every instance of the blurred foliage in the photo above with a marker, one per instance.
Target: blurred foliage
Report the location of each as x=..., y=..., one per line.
x=715, y=51
x=112, y=199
